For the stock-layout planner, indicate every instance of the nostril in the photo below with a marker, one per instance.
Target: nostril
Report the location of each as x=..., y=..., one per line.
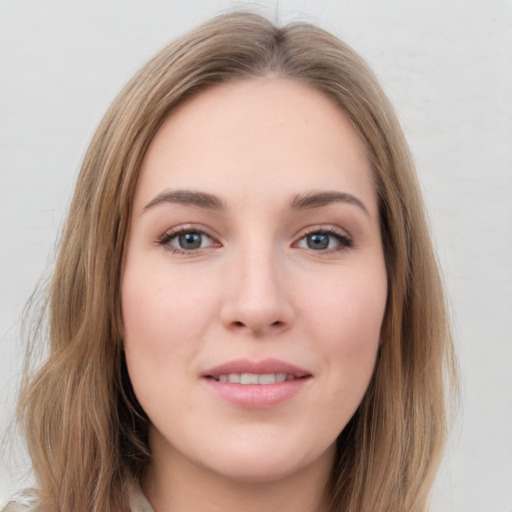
x=239, y=324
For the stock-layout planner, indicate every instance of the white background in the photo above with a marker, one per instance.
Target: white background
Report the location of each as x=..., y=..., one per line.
x=447, y=65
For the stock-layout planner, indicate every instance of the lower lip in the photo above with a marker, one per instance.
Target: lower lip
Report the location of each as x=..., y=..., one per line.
x=257, y=396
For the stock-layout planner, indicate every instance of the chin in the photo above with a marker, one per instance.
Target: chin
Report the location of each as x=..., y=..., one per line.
x=258, y=469
x=262, y=463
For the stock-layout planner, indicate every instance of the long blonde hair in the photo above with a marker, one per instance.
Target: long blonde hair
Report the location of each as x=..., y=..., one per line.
x=86, y=433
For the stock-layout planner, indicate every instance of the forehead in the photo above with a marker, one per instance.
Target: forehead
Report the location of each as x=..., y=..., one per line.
x=259, y=136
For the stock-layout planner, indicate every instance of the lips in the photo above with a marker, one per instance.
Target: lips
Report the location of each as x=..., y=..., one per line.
x=259, y=368
x=256, y=384
x=263, y=379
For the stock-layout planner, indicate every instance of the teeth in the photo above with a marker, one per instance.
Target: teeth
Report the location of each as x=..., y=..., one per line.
x=267, y=378
x=248, y=378
x=254, y=378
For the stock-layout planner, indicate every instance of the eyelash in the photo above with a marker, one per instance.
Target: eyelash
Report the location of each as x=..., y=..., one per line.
x=168, y=236
x=344, y=241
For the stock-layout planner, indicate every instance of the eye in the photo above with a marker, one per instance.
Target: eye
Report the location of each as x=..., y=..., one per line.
x=186, y=240
x=324, y=240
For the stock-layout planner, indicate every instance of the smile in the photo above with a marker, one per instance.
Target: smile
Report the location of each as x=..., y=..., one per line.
x=257, y=384
x=243, y=371
x=254, y=378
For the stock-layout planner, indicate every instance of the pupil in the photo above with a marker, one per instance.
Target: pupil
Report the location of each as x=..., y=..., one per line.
x=190, y=241
x=318, y=241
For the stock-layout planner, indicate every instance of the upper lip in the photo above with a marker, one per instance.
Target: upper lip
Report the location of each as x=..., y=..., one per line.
x=265, y=366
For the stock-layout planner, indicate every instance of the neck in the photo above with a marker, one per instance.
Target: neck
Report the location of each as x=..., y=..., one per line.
x=183, y=486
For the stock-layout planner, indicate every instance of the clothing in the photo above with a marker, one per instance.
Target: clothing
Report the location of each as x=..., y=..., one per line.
x=27, y=501
x=138, y=502
x=23, y=501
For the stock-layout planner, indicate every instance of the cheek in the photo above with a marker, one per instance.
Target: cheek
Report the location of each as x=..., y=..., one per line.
x=166, y=319
x=147, y=322
x=352, y=346
x=158, y=332
x=349, y=306
x=345, y=320
x=162, y=314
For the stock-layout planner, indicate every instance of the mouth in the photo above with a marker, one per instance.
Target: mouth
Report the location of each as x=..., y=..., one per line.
x=261, y=379
x=268, y=371
x=260, y=384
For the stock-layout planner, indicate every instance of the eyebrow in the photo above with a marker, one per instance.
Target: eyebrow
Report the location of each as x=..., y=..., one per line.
x=188, y=197
x=319, y=199
x=211, y=202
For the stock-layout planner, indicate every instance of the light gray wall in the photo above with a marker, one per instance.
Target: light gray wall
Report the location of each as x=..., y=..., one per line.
x=447, y=65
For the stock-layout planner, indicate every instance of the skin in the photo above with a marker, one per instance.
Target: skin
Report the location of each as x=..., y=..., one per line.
x=254, y=290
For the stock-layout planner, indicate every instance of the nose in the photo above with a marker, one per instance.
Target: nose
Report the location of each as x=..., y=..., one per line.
x=256, y=298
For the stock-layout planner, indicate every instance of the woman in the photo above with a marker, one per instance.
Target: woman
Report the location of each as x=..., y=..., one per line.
x=246, y=311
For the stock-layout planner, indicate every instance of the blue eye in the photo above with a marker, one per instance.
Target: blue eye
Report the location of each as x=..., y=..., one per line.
x=324, y=240
x=318, y=241
x=186, y=240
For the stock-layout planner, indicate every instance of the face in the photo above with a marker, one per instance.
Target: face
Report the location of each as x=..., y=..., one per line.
x=254, y=284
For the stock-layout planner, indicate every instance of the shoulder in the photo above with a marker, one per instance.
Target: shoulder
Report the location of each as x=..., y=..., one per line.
x=22, y=501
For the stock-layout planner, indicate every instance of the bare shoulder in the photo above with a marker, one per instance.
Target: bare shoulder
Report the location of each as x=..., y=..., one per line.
x=22, y=501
